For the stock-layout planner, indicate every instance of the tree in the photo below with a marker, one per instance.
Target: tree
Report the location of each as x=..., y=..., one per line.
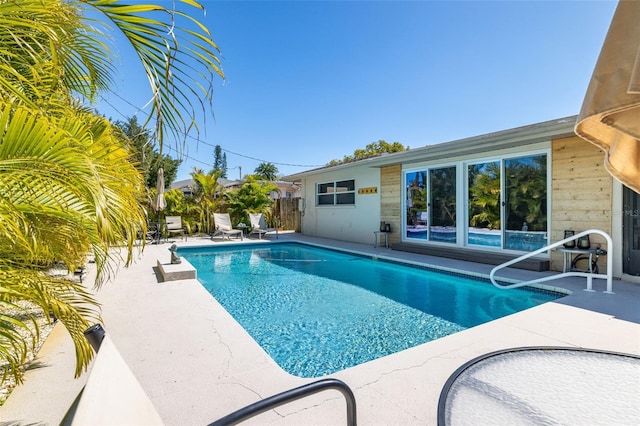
x=373, y=149
x=69, y=184
x=220, y=161
x=207, y=195
x=145, y=154
x=254, y=196
x=224, y=165
x=140, y=139
x=169, y=167
x=267, y=171
x=67, y=188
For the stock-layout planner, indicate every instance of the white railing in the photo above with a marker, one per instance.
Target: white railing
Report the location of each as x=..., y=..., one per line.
x=588, y=275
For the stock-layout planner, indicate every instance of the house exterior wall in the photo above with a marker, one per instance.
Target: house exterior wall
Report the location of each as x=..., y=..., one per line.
x=581, y=194
x=354, y=223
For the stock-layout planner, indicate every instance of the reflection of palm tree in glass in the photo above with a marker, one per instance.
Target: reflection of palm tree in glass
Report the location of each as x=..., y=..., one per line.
x=443, y=197
x=526, y=183
x=484, y=195
x=419, y=202
x=416, y=196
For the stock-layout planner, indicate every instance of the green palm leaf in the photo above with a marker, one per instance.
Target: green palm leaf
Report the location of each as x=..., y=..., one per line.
x=69, y=187
x=61, y=182
x=176, y=59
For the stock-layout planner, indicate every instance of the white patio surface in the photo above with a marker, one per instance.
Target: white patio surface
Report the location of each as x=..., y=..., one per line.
x=197, y=364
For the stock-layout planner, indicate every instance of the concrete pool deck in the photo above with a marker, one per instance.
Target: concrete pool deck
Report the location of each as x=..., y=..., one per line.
x=197, y=364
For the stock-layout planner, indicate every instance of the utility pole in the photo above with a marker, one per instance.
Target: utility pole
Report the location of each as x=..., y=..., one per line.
x=240, y=172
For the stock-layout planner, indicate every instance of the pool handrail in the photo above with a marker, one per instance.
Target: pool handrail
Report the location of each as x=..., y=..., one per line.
x=588, y=275
x=291, y=395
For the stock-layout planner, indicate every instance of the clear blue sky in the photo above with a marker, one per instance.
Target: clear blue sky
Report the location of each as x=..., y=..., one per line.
x=311, y=81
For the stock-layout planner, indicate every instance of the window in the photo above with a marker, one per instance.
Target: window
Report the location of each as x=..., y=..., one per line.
x=336, y=193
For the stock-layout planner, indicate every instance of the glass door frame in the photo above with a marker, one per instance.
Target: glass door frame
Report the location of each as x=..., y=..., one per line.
x=462, y=197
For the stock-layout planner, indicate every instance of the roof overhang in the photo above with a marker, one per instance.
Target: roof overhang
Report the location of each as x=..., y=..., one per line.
x=505, y=139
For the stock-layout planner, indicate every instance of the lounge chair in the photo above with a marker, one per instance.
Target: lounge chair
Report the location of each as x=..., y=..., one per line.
x=223, y=225
x=259, y=226
x=174, y=226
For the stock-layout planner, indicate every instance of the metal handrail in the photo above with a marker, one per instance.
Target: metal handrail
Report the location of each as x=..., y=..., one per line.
x=588, y=275
x=290, y=396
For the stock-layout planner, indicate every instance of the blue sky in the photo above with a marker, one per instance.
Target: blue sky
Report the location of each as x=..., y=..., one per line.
x=311, y=81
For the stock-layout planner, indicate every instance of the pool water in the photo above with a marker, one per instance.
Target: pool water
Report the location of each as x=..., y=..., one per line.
x=318, y=311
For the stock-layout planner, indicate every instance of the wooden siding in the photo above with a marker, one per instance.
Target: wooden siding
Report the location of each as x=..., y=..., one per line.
x=391, y=200
x=581, y=193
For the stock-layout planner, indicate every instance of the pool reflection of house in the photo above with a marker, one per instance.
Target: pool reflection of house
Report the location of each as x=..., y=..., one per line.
x=487, y=198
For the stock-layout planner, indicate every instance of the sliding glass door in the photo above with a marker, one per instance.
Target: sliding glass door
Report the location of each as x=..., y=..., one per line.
x=443, y=204
x=505, y=203
x=525, y=207
x=416, y=205
x=484, y=212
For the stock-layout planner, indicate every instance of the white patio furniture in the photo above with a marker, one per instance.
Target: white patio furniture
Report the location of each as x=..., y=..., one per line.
x=223, y=226
x=259, y=225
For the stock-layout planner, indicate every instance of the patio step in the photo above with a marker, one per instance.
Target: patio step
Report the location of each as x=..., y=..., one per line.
x=470, y=255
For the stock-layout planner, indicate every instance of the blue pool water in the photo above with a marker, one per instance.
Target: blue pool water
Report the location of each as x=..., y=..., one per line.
x=317, y=311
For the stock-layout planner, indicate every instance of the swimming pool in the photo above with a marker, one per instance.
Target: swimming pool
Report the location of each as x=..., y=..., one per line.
x=317, y=311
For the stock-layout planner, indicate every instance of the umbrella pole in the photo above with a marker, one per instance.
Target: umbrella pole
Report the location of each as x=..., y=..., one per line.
x=158, y=228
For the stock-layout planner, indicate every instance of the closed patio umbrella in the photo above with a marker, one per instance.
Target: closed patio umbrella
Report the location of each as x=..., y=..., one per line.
x=610, y=114
x=159, y=202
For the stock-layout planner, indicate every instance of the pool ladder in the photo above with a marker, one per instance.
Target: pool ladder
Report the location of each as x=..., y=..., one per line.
x=588, y=275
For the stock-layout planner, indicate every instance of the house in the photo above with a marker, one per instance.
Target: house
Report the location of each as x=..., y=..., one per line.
x=186, y=186
x=285, y=189
x=488, y=198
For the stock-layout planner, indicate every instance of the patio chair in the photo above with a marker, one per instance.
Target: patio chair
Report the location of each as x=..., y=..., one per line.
x=223, y=225
x=259, y=226
x=174, y=226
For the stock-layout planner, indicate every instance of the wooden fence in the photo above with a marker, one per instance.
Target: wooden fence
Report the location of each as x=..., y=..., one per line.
x=287, y=210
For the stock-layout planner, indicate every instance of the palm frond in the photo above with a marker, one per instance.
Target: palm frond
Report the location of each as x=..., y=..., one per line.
x=178, y=55
x=68, y=301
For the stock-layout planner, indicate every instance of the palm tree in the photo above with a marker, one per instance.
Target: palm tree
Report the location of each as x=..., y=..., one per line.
x=207, y=194
x=69, y=186
x=267, y=171
x=252, y=197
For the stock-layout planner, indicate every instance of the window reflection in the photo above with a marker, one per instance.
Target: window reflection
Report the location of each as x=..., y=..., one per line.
x=442, y=204
x=526, y=203
x=484, y=204
x=416, y=205
x=506, y=203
